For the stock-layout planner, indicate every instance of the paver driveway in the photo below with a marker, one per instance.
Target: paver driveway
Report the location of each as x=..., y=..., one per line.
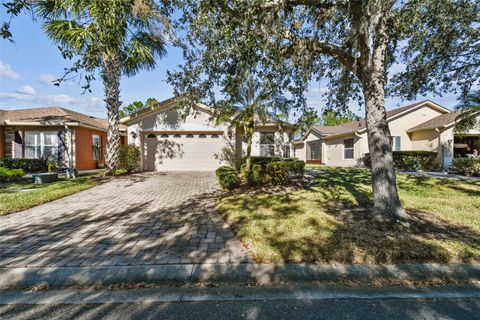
x=148, y=218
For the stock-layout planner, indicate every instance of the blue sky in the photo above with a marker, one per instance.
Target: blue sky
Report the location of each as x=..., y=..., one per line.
x=28, y=66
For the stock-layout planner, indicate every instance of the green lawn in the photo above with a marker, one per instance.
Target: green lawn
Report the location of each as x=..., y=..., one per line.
x=13, y=199
x=331, y=221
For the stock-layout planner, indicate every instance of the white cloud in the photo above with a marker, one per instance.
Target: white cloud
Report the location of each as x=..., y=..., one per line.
x=47, y=78
x=27, y=90
x=7, y=72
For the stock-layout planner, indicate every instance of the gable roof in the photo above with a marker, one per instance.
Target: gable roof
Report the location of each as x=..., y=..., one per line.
x=443, y=120
x=51, y=116
x=361, y=125
x=168, y=103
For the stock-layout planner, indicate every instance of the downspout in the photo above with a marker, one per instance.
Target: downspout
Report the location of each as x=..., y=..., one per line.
x=361, y=145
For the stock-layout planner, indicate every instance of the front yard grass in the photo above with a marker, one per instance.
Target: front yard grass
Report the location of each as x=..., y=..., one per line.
x=331, y=221
x=23, y=195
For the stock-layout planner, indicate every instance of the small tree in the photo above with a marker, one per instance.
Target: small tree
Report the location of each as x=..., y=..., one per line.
x=137, y=106
x=469, y=117
x=308, y=118
x=331, y=117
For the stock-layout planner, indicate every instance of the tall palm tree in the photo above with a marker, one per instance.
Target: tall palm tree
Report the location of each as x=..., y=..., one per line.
x=249, y=107
x=116, y=37
x=469, y=118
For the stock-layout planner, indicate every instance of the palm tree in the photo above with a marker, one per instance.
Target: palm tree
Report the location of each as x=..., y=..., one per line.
x=116, y=37
x=245, y=110
x=469, y=117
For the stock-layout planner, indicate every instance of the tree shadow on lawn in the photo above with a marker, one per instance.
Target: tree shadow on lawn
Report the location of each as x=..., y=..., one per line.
x=338, y=209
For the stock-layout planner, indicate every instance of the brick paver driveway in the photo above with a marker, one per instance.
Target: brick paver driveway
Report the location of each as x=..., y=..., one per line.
x=148, y=218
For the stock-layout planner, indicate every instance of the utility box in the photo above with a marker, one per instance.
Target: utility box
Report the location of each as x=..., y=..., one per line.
x=39, y=178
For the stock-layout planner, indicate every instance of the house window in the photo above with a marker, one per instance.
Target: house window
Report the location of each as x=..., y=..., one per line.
x=97, y=147
x=164, y=136
x=151, y=135
x=189, y=135
x=214, y=136
x=41, y=144
x=286, y=151
x=202, y=136
x=177, y=135
x=267, y=144
x=396, y=143
x=348, y=148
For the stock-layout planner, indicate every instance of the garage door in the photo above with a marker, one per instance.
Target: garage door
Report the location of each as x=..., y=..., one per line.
x=184, y=152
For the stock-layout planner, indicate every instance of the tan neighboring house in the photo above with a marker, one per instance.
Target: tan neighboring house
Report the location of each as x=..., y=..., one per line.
x=423, y=125
x=71, y=138
x=171, y=139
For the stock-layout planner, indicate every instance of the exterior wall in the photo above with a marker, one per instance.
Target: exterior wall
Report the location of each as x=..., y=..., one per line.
x=301, y=149
x=334, y=152
x=2, y=142
x=8, y=142
x=281, y=139
x=84, y=148
x=399, y=126
x=446, y=141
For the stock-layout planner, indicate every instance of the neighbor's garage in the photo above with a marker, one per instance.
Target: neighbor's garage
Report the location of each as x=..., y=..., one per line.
x=186, y=151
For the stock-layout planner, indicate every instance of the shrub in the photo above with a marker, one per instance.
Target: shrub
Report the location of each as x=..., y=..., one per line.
x=257, y=175
x=277, y=172
x=52, y=166
x=227, y=177
x=467, y=166
x=408, y=160
x=296, y=167
x=27, y=165
x=129, y=158
x=10, y=174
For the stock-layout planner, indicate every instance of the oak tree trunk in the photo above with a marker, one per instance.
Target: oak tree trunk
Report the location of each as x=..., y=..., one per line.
x=385, y=195
x=111, y=74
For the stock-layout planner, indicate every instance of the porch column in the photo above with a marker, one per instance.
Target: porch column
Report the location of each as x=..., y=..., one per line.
x=142, y=151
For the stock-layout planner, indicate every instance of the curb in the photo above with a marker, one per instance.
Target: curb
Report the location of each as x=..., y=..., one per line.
x=229, y=273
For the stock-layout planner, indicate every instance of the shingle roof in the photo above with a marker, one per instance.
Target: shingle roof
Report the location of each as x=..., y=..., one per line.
x=440, y=121
x=53, y=116
x=354, y=126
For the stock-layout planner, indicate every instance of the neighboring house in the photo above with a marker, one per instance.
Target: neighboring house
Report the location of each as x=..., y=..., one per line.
x=72, y=139
x=172, y=139
x=423, y=125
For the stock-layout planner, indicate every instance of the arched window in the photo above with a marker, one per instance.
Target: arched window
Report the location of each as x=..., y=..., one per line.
x=164, y=136
x=151, y=135
x=202, y=136
x=177, y=135
x=189, y=135
x=214, y=136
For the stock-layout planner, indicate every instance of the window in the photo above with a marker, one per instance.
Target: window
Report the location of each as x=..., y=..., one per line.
x=348, y=148
x=97, y=147
x=202, y=136
x=286, y=151
x=41, y=144
x=177, y=135
x=267, y=144
x=396, y=143
x=189, y=135
x=164, y=136
x=151, y=135
x=214, y=136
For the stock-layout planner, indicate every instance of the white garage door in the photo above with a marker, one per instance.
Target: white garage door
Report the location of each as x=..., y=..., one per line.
x=185, y=152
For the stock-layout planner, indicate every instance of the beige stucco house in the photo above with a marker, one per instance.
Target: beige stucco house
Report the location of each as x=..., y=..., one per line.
x=423, y=125
x=172, y=139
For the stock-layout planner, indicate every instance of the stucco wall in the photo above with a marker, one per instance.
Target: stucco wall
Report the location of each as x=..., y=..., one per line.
x=426, y=140
x=84, y=147
x=301, y=149
x=334, y=152
x=281, y=138
x=2, y=142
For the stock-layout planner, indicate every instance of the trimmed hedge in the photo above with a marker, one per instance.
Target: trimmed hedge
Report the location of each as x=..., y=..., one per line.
x=467, y=166
x=264, y=173
x=277, y=172
x=27, y=165
x=408, y=160
x=10, y=174
x=129, y=158
x=227, y=177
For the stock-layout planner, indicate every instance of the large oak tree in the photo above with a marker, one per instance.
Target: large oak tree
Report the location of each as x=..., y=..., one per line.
x=352, y=44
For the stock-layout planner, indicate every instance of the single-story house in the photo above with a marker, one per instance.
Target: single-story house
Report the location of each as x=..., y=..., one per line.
x=170, y=138
x=71, y=138
x=423, y=125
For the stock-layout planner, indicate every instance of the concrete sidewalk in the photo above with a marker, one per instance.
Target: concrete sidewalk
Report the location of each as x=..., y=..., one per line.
x=232, y=273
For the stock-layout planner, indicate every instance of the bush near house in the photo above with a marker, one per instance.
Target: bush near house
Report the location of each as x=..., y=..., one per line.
x=227, y=177
x=264, y=173
x=467, y=166
x=277, y=171
x=129, y=158
x=10, y=174
x=408, y=160
x=27, y=165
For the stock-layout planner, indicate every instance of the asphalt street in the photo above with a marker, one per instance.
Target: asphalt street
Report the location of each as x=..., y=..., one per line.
x=267, y=309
